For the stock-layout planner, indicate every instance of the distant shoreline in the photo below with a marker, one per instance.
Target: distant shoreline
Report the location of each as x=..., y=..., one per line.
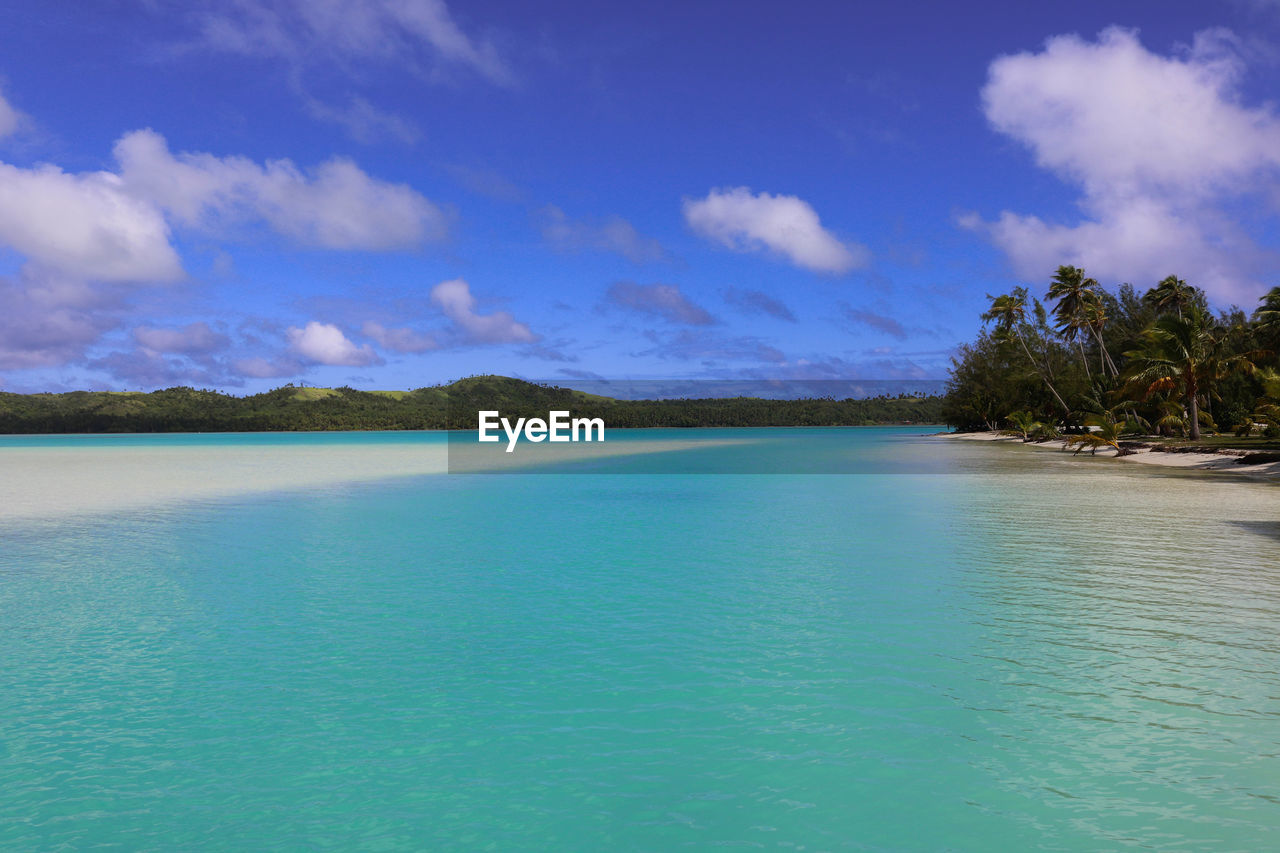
x=290, y=409
x=446, y=431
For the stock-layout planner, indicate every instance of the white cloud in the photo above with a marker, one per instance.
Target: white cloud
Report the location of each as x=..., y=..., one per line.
x=86, y=225
x=1120, y=120
x=9, y=118
x=614, y=234
x=381, y=30
x=455, y=300
x=336, y=207
x=399, y=340
x=1159, y=146
x=325, y=343
x=784, y=224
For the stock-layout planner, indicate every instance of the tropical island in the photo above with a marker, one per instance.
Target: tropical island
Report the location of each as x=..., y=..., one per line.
x=451, y=406
x=1122, y=370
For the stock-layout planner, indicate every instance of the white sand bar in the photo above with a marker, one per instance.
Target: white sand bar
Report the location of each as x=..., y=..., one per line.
x=44, y=482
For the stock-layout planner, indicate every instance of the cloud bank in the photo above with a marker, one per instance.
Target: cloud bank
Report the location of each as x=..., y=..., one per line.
x=88, y=243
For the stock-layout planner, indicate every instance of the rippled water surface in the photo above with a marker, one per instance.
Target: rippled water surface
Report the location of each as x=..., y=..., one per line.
x=1020, y=650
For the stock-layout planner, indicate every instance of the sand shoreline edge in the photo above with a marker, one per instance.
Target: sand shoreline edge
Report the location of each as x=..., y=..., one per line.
x=1226, y=462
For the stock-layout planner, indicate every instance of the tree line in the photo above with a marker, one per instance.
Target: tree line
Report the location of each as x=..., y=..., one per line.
x=452, y=406
x=1100, y=365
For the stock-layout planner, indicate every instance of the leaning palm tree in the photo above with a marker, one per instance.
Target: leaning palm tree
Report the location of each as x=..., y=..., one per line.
x=1183, y=354
x=1105, y=432
x=1009, y=313
x=1095, y=316
x=1079, y=308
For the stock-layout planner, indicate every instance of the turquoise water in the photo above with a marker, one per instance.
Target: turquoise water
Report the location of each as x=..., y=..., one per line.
x=1017, y=650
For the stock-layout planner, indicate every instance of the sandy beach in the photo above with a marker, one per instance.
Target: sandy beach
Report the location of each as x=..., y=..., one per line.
x=1224, y=462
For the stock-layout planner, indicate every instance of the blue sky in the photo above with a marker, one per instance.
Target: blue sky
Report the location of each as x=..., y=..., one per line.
x=395, y=193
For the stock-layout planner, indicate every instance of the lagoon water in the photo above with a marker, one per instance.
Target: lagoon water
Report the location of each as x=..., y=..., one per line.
x=959, y=646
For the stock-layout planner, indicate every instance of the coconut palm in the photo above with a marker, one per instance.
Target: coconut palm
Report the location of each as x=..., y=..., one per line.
x=1009, y=314
x=1105, y=431
x=1070, y=292
x=1267, y=407
x=1171, y=293
x=1022, y=424
x=1267, y=317
x=1183, y=354
x=1095, y=316
x=1079, y=308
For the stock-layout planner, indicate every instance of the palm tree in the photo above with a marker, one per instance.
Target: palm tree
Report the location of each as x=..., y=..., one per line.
x=1022, y=424
x=1009, y=313
x=1171, y=292
x=1105, y=432
x=1070, y=292
x=1267, y=317
x=1183, y=353
x=1079, y=307
x=1267, y=407
x=1095, y=315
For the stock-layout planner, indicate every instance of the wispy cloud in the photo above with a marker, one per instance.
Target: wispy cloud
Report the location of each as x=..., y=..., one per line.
x=879, y=322
x=193, y=338
x=319, y=31
x=658, y=300
x=10, y=118
x=403, y=339
x=711, y=350
x=614, y=234
x=758, y=302
x=363, y=121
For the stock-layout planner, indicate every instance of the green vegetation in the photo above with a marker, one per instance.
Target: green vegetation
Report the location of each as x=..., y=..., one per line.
x=1101, y=366
x=440, y=407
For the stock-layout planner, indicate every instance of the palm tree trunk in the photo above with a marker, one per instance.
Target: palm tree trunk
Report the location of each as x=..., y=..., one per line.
x=1084, y=361
x=1105, y=357
x=1065, y=408
x=1193, y=406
